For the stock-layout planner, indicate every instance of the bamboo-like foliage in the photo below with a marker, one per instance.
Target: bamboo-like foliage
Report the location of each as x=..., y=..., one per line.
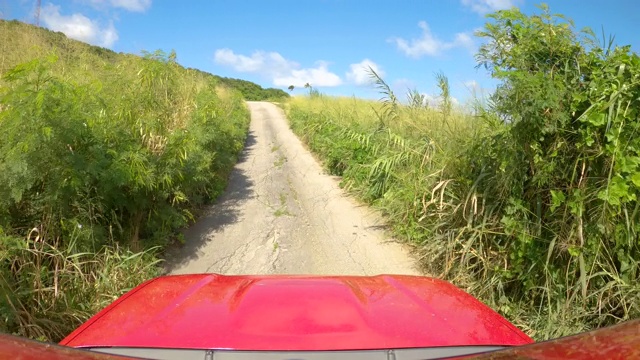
x=389, y=100
x=445, y=95
x=530, y=201
x=102, y=157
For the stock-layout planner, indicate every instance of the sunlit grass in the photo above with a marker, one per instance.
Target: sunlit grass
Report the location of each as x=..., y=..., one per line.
x=103, y=158
x=422, y=171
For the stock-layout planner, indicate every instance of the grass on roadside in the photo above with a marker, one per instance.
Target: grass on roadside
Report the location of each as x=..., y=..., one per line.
x=420, y=170
x=103, y=158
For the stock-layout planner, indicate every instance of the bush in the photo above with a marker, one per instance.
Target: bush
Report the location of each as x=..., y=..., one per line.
x=569, y=214
x=98, y=170
x=128, y=166
x=532, y=205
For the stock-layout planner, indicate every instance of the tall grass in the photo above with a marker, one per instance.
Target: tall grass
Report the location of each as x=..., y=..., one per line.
x=50, y=289
x=103, y=158
x=529, y=205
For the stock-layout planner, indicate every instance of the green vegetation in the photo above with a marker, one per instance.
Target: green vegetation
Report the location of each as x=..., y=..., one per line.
x=282, y=208
x=21, y=42
x=531, y=203
x=252, y=91
x=103, y=157
x=280, y=161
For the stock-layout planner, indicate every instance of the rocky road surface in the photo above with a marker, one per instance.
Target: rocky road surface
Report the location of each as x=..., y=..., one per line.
x=282, y=214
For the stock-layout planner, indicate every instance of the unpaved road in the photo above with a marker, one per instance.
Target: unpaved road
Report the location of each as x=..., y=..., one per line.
x=281, y=214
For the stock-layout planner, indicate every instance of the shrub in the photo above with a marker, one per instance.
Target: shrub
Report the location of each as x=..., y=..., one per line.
x=99, y=169
x=532, y=204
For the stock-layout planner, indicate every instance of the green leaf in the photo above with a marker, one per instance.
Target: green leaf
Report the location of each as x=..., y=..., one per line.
x=574, y=251
x=597, y=119
x=557, y=199
x=635, y=178
x=46, y=131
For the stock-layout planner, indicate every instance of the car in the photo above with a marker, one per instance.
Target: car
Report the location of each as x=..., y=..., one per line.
x=296, y=313
x=212, y=316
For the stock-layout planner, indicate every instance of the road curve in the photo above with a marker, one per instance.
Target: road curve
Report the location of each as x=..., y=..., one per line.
x=281, y=214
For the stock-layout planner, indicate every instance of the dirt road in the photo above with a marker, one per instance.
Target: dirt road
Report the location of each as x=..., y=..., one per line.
x=281, y=214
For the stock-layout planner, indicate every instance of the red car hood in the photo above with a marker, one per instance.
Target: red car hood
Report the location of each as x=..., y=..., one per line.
x=211, y=311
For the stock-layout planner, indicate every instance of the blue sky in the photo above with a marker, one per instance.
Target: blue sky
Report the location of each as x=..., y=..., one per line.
x=326, y=43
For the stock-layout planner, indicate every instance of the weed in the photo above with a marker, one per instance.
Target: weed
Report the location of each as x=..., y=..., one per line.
x=282, y=209
x=282, y=212
x=280, y=161
x=48, y=305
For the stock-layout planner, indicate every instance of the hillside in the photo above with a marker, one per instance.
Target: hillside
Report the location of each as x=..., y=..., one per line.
x=103, y=158
x=20, y=42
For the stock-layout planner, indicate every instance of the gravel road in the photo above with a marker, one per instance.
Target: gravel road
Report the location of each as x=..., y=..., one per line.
x=282, y=214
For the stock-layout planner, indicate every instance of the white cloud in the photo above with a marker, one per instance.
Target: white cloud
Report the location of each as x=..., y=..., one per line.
x=78, y=26
x=129, y=5
x=280, y=71
x=430, y=45
x=258, y=61
x=317, y=77
x=485, y=6
x=464, y=40
x=435, y=101
x=432, y=100
x=359, y=72
x=472, y=85
x=475, y=90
